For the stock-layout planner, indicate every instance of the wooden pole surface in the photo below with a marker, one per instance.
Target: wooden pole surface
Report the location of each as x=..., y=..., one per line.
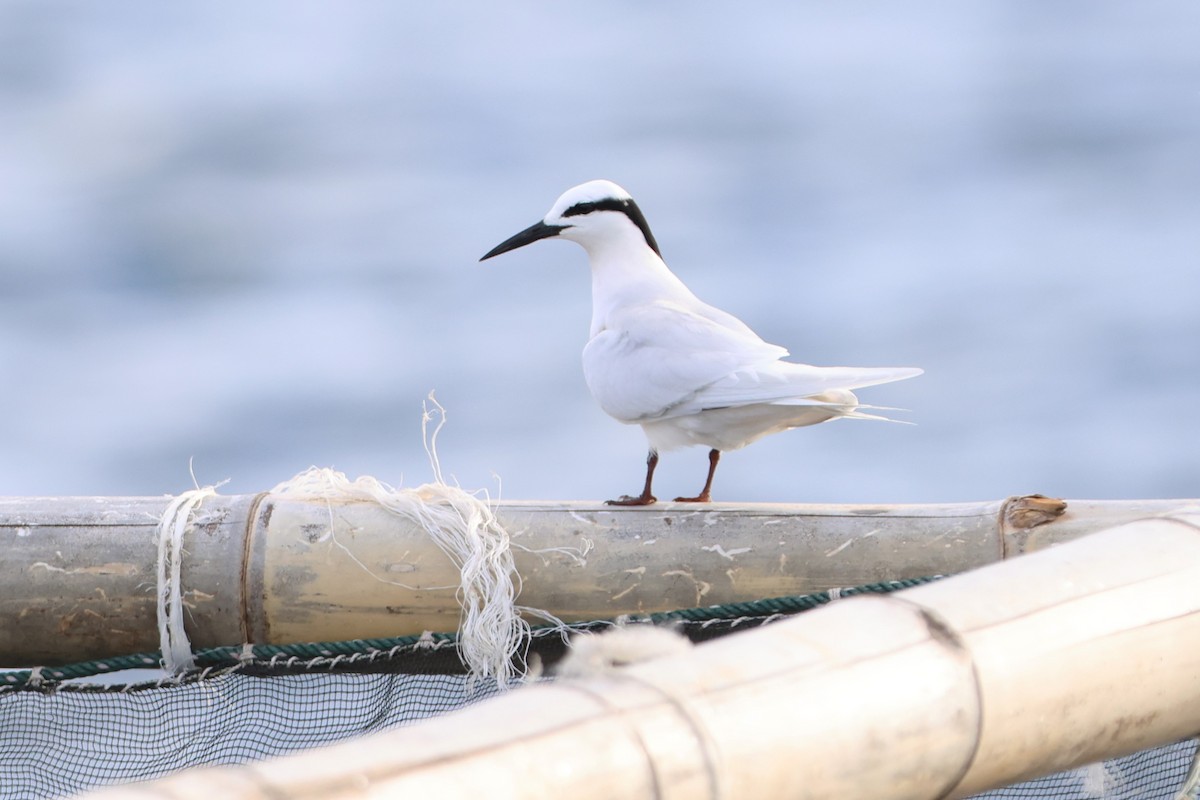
x=1063, y=657
x=77, y=575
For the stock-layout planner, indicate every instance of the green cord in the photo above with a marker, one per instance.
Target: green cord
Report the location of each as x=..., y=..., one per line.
x=220, y=658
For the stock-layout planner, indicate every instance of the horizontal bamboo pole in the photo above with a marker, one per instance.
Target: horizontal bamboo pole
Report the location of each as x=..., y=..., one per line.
x=77, y=575
x=1064, y=657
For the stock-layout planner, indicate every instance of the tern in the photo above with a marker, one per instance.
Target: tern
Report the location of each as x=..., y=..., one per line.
x=659, y=357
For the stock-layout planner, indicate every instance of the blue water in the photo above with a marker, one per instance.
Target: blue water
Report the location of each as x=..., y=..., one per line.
x=247, y=235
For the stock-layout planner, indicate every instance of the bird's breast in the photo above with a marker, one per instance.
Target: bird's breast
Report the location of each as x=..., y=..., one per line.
x=611, y=372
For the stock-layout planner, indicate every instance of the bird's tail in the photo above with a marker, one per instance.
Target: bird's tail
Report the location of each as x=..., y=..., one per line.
x=846, y=405
x=845, y=402
x=857, y=413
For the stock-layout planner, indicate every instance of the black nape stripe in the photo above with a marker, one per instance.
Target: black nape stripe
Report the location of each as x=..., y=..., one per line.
x=626, y=207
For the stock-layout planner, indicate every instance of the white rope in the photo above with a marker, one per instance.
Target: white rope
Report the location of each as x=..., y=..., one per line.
x=593, y=654
x=464, y=528
x=461, y=525
x=173, y=640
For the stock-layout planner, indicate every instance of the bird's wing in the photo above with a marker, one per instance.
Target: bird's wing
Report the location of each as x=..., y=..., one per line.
x=785, y=383
x=651, y=357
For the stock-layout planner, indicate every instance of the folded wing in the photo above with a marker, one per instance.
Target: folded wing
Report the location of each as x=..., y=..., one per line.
x=663, y=359
x=652, y=356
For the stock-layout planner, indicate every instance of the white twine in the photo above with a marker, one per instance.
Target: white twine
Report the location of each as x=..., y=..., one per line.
x=464, y=528
x=594, y=654
x=173, y=641
x=491, y=628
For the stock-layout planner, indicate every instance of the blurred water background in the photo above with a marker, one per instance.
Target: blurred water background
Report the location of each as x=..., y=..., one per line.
x=246, y=234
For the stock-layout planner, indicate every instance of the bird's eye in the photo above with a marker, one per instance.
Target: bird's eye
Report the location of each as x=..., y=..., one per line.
x=579, y=208
x=609, y=204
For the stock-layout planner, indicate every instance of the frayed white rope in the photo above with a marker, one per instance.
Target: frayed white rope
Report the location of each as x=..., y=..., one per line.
x=594, y=654
x=173, y=641
x=461, y=525
x=463, y=528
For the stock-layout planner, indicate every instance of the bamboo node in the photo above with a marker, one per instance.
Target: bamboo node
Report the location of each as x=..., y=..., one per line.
x=1031, y=510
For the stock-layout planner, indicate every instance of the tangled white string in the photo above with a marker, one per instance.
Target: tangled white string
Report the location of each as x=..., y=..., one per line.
x=491, y=629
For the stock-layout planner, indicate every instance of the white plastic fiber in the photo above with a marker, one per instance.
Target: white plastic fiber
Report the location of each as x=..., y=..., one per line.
x=463, y=527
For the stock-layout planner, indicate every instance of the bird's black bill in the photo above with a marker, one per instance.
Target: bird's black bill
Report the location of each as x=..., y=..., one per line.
x=538, y=230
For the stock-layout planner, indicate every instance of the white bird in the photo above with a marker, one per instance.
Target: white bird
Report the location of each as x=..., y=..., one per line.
x=659, y=357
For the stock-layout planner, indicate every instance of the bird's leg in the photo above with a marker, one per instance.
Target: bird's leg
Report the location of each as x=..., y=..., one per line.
x=714, y=456
x=645, y=498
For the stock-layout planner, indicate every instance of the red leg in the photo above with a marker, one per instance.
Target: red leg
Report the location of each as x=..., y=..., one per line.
x=714, y=456
x=645, y=498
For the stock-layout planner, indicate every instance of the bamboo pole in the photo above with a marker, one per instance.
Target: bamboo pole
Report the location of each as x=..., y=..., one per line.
x=77, y=575
x=1060, y=658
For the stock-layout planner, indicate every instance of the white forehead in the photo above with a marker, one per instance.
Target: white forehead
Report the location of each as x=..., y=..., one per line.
x=590, y=192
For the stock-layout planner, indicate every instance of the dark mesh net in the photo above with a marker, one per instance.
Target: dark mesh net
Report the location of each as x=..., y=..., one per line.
x=58, y=742
x=1148, y=775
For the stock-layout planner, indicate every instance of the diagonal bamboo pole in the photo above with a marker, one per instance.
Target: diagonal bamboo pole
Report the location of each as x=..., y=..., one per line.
x=1060, y=658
